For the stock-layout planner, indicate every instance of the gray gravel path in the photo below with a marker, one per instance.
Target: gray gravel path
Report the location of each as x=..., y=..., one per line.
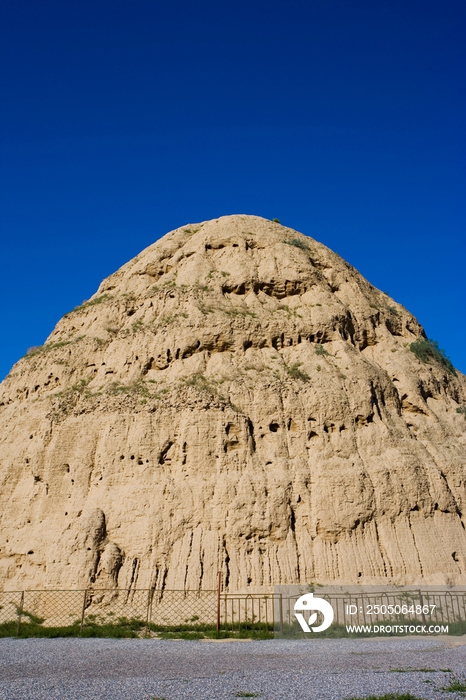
x=326, y=669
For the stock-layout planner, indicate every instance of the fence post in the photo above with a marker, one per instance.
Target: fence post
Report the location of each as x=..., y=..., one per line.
x=20, y=612
x=421, y=599
x=150, y=595
x=219, y=587
x=82, y=612
x=281, y=613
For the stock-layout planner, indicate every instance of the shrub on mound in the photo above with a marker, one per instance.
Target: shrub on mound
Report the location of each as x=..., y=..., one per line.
x=428, y=351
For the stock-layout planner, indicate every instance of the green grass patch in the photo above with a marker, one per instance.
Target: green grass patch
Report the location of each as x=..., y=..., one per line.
x=35, y=350
x=32, y=627
x=79, y=387
x=239, y=312
x=40, y=349
x=137, y=325
x=137, y=387
x=201, y=382
x=428, y=351
x=418, y=670
x=456, y=685
x=124, y=628
x=320, y=350
x=457, y=628
x=462, y=410
x=388, y=696
x=298, y=243
x=197, y=632
x=88, y=304
x=296, y=373
x=170, y=318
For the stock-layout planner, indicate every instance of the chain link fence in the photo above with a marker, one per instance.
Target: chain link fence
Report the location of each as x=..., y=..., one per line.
x=121, y=611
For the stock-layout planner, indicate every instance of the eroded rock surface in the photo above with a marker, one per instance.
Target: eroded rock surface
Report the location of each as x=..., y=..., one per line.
x=236, y=398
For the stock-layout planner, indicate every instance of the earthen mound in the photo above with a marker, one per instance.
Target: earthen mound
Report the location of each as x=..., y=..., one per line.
x=236, y=398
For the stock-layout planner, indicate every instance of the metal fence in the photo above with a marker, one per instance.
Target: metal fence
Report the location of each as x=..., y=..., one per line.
x=83, y=608
x=152, y=611
x=252, y=610
x=427, y=605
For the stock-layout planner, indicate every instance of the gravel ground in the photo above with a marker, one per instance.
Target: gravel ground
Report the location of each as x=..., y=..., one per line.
x=327, y=669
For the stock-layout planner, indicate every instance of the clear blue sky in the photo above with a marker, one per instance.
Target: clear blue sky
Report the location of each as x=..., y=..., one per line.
x=123, y=120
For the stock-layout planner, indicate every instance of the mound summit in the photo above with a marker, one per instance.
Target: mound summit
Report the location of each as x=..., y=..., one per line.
x=239, y=398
